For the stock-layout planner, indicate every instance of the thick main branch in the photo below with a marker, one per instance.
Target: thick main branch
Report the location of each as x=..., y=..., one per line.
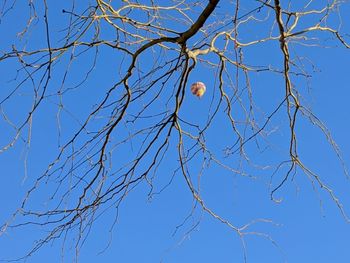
x=199, y=23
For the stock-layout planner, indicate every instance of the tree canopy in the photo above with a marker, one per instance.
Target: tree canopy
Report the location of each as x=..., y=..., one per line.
x=96, y=106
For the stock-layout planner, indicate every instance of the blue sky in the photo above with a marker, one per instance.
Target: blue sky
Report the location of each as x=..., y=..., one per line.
x=306, y=226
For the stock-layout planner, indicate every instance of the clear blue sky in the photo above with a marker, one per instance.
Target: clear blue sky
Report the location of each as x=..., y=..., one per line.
x=305, y=227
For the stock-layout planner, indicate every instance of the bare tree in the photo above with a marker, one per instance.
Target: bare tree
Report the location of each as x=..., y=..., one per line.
x=116, y=74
